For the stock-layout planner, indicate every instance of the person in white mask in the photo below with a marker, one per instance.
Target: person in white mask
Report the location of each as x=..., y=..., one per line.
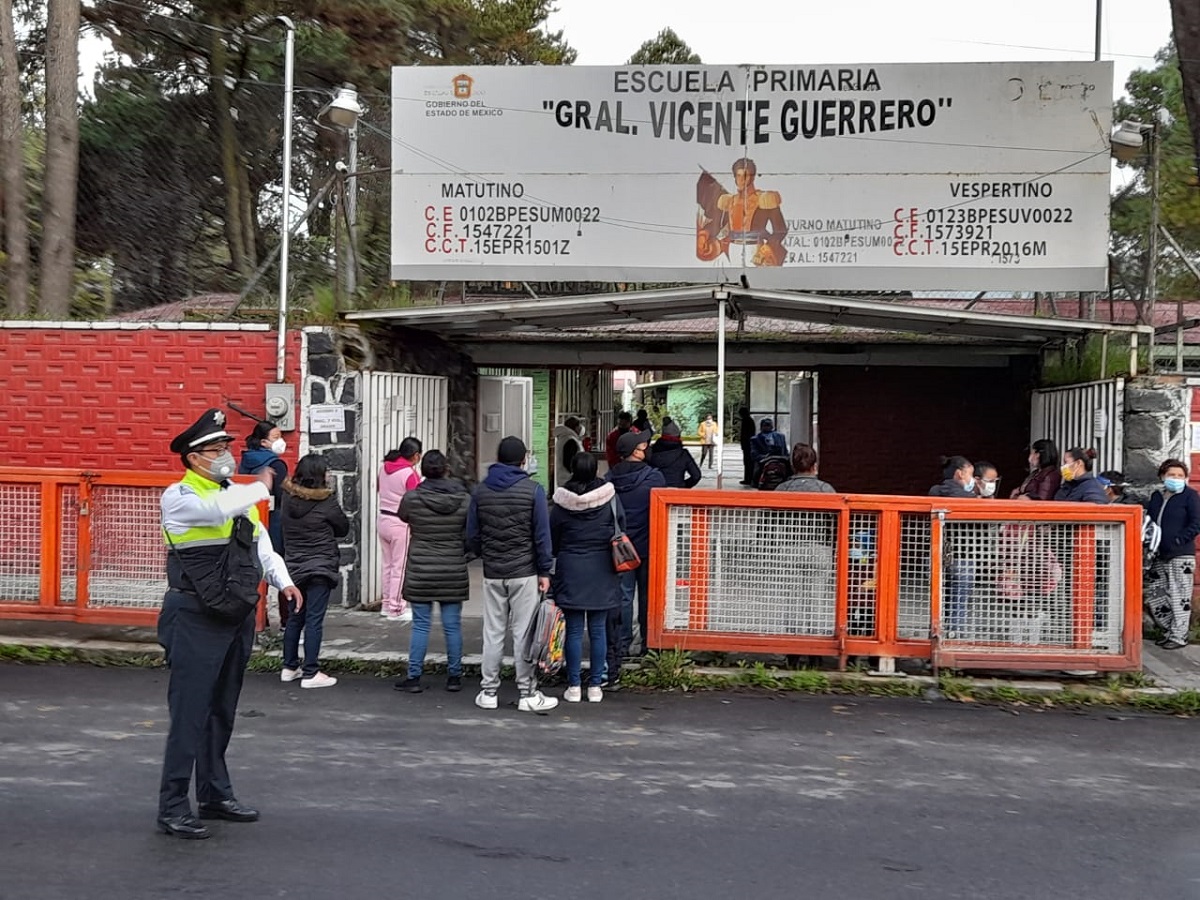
x=264, y=448
x=987, y=480
x=217, y=553
x=1170, y=581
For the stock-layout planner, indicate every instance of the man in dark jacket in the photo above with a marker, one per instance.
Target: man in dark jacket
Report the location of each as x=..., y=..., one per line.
x=624, y=426
x=508, y=525
x=745, y=436
x=767, y=443
x=634, y=480
x=676, y=463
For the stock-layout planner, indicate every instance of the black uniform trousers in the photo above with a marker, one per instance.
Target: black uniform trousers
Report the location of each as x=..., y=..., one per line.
x=207, y=657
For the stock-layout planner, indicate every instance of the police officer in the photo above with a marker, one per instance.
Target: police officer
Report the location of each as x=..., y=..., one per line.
x=207, y=654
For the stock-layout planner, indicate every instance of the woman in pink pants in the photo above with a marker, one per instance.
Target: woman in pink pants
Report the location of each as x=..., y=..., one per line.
x=397, y=477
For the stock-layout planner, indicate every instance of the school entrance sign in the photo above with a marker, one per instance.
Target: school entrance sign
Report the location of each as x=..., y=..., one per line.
x=972, y=176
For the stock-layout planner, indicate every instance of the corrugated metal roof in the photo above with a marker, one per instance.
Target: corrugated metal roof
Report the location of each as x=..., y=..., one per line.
x=641, y=310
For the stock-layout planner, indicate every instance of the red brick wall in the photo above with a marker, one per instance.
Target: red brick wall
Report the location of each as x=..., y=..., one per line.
x=882, y=429
x=114, y=398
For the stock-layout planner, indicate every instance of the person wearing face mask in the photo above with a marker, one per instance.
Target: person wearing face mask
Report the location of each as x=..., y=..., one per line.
x=1044, y=475
x=216, y=546
x=958, y=479
x=1115, y=486
x=1079, y=485
x=1171, y=578
x=264, y=447
x=987, y=480
x=958, y=483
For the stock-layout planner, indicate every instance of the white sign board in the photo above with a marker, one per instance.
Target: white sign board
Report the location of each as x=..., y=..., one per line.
x=972, y=176
x=326, y=418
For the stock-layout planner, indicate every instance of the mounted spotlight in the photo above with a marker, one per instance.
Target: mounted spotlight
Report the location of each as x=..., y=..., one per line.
x=344, y=109
x=1127, y=141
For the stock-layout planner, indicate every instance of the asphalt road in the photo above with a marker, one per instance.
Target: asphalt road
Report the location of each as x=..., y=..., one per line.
x=368, y=793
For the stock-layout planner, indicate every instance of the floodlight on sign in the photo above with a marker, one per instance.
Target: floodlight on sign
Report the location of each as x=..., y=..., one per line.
x=1127, y=140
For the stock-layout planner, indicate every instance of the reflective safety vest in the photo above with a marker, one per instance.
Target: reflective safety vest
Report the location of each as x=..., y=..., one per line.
x=205, y=535
x=199, y=547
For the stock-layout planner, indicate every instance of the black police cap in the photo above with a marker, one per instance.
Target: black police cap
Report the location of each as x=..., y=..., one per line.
x=208, y=429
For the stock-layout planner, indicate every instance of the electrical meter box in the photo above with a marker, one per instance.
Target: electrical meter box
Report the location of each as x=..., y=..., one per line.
x=281, y=405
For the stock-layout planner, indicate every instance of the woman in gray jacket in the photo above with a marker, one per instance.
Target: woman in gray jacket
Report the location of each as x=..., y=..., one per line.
x=804, y=464
x=435, y=570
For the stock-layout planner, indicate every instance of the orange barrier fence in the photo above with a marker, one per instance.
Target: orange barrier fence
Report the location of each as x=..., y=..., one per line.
x=84, y=546
x=965, y=583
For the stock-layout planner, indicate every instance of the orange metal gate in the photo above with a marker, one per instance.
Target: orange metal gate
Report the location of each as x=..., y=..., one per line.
x=83, y=546
x=968, y=584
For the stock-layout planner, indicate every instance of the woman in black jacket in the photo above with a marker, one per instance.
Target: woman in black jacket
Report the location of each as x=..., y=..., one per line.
x=435, y=570
x=1171, y=579
x=674, y=460
x=312, y=524
x=585, y=517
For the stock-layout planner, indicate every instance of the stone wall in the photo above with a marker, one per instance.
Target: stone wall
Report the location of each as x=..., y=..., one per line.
x=414, y=352
x=331, y=359
x=1157, y=411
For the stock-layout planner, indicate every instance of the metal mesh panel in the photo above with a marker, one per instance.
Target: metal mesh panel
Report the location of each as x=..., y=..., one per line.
x=20, y=542
x=864, y=574
x=760, y=571
x=68, y=546
x=915, y=564
x=1056, y=586
x=128, y=556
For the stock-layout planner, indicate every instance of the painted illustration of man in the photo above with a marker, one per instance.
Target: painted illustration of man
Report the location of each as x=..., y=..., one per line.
x=749, y=217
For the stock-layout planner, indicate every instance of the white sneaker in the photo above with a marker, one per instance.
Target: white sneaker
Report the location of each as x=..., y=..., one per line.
x=406, y=617
x=289, y=675
x=486, y=700
x=537, y=702
x=573, y=694
x=595, y=695
x=318, y=681
x=384, y=612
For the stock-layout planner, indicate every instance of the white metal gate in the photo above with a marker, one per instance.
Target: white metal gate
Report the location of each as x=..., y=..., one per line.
x=394, y=407
x=1083, y=415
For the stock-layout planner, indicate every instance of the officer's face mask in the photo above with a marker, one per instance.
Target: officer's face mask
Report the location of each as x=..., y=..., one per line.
x=219, y=468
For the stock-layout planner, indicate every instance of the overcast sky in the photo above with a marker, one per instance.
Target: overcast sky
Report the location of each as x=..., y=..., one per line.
x=801, y=32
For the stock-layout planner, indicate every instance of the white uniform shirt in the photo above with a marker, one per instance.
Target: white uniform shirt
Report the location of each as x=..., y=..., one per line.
x=183, y=508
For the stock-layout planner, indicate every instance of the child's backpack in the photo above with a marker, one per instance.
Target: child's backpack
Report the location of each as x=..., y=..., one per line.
x=546, y=638
x=775, y=471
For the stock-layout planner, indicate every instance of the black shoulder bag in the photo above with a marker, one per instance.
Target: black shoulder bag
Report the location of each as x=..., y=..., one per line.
x=230, y=591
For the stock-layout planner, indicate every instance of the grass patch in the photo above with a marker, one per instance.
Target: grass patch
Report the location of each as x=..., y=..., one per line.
x=666, y=670
x=806, y=681
x=675, y=670
x=1181, y=703
x=23, y=655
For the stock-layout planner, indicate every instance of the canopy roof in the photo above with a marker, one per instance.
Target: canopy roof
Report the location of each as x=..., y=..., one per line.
x=534, y=315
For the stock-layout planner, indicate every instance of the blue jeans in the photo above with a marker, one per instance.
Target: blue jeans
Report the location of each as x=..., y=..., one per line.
x=635, y=582
x=309, y=618
x=597, y=645
x=451, y=615
x=960, y=583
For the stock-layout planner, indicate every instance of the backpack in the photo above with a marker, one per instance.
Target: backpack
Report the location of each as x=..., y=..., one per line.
x=546, y=638
x=774, y=472
x=1151, y=538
